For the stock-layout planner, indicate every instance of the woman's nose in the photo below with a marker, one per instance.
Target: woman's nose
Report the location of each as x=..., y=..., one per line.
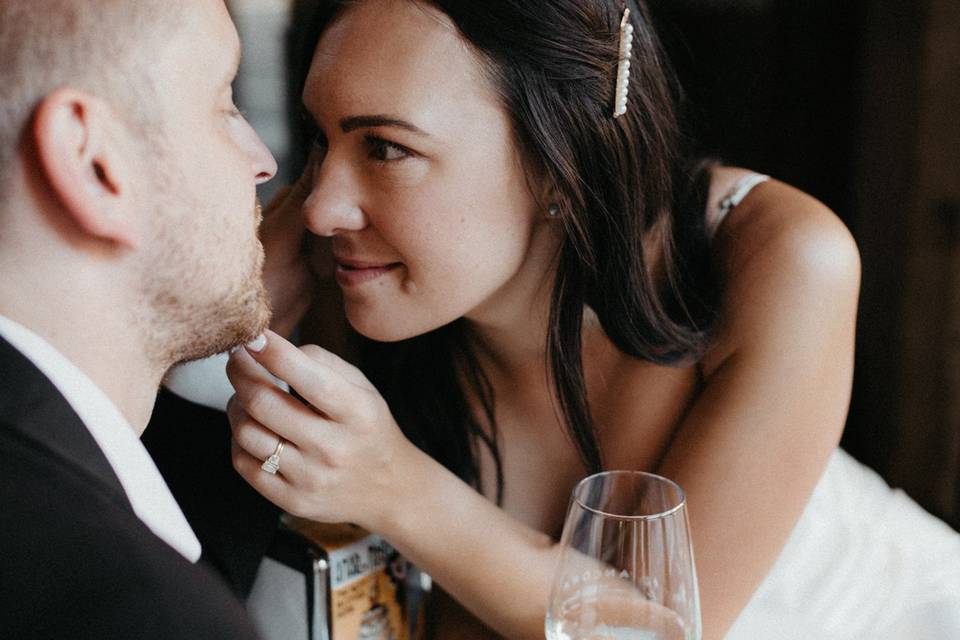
x=333, y=206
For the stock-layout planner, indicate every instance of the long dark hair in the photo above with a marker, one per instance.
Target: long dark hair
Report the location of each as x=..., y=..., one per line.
x=632, y=203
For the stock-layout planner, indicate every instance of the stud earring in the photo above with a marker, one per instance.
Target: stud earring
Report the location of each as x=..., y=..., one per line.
x=553, y=211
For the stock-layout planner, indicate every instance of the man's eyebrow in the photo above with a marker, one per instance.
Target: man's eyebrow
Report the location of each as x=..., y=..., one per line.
x=362, y=122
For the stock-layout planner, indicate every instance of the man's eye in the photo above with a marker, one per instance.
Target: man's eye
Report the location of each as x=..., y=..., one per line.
x=386, y=151
x=320, y=141
x=236, y=113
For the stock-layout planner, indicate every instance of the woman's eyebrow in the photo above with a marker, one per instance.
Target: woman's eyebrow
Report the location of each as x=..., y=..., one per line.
x=361, y=122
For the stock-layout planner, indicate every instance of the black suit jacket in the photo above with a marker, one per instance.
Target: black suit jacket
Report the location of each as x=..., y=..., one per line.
x=191, y=446
x=75, y=561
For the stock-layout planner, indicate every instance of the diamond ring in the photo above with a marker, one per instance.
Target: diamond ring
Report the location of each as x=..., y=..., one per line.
x=272, y=464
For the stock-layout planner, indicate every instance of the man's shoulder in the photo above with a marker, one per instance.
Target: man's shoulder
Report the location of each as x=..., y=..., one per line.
x=190, y=445
x=79, y=563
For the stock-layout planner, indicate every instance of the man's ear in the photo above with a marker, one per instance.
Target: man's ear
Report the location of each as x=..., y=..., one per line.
x=80, y=155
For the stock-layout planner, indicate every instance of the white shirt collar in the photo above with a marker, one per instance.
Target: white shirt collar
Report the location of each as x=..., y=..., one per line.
x=138, y=474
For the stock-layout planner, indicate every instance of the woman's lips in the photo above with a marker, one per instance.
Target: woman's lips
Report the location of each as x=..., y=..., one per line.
x=352, y=273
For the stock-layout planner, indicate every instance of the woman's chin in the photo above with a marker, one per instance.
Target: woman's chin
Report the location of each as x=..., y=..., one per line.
x=382, y=329
x=386, y=328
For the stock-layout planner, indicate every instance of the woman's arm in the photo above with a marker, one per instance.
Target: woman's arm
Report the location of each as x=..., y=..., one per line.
x=778, y=382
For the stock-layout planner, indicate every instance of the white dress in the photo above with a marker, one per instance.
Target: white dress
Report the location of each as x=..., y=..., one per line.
x=864, y=562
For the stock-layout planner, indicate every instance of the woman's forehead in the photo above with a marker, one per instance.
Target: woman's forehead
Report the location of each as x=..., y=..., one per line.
x=392, y=35
x=395, y=56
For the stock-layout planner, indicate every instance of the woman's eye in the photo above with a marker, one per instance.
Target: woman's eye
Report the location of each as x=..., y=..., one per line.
x=320, y=141
x=386, y=151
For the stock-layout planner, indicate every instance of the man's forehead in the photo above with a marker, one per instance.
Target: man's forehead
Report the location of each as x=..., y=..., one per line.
x=208, y=40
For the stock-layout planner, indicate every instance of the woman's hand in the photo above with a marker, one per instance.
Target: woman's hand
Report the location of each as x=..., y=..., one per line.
x=293, y=255
x=344, y=457
x=345, y=460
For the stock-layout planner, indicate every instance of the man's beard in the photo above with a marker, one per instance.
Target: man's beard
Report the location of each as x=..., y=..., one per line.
x=190, y=316
x=233, y=320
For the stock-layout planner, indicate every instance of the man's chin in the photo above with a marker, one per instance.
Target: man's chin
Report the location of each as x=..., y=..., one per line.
x=237, y=327
x=253, y=323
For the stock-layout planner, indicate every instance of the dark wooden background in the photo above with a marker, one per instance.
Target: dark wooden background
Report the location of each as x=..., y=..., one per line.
x=856, y=102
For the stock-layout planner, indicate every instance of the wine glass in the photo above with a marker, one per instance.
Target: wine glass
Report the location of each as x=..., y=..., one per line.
x=626, y=570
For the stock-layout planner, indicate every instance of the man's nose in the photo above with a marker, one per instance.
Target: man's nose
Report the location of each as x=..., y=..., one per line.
x=264, y=164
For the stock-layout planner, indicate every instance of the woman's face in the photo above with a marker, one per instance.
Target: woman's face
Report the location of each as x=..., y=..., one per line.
x=419, y=181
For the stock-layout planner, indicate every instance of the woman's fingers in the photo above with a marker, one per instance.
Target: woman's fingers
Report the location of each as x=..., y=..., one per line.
x=266, y=404
x=345, y=450
x=242, y=368
x=279, y=198
x=331, y=360
x=283, y=226
x=318, y=377
x=260, y=441
x=290, y=198
x=287, y=272
x=275, y=488
x=287, y=202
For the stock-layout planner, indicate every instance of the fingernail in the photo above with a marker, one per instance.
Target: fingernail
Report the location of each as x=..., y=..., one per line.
x=257, y=344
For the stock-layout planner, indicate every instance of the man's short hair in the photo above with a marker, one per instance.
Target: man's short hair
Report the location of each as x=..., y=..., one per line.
x=100, y=46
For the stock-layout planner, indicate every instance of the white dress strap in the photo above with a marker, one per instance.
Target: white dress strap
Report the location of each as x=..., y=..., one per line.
x=733, y=197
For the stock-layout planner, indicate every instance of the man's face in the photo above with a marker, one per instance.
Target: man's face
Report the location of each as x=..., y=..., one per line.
x=202, y=276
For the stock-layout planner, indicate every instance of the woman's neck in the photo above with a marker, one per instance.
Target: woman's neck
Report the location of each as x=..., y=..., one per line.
x=513, y=352
x=515, y=355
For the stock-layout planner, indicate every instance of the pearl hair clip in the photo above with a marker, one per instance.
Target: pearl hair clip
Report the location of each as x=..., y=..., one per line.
x=623, y=67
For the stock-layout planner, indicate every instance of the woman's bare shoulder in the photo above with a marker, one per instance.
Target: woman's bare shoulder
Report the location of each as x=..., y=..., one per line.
x=780, y=248
x=778, y=220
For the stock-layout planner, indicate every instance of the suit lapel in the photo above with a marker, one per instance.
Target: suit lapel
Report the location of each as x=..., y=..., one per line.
x=32, y=409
